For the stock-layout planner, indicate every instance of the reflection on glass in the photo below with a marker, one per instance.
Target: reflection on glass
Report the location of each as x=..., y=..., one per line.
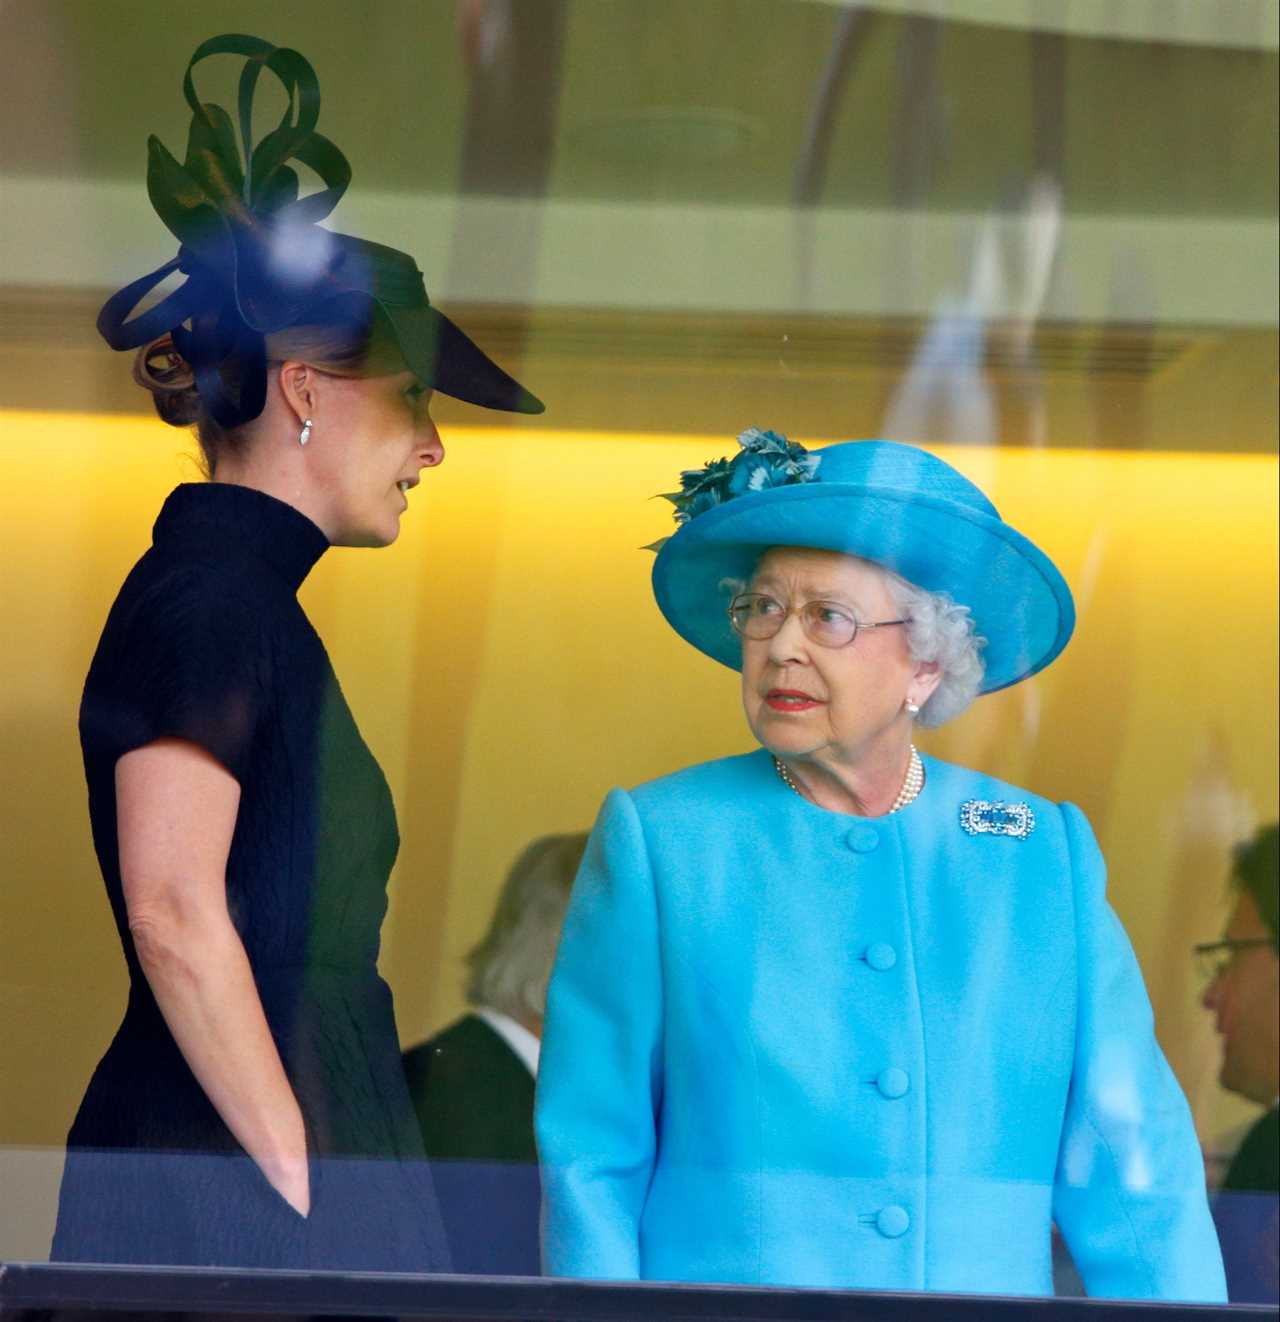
x=1041, y=246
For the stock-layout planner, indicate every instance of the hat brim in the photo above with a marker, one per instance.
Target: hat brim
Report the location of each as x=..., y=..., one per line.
x=1019, y=601
x=441, y=355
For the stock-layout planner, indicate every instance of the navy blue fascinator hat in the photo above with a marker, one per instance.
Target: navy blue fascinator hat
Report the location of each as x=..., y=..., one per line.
x=895, y=505
x=256, y=260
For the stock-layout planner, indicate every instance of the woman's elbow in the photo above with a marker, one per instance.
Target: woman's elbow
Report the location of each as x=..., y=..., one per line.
x=172, y=940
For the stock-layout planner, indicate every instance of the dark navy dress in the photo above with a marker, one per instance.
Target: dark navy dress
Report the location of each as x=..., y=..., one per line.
x=207, y=642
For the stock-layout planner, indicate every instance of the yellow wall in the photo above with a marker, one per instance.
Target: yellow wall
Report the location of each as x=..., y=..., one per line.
x=507, y=665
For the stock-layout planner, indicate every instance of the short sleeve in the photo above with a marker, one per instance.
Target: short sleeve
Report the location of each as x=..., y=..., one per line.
x=190, y=663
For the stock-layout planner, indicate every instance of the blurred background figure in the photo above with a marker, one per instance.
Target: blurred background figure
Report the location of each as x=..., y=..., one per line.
x=1244, y=996
x=472, y=1084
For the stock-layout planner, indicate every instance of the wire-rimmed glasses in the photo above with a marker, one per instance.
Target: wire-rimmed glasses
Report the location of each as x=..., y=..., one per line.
x=1212, y=957
x=758, y=616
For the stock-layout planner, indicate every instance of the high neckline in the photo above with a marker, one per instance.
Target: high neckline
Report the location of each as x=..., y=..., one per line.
x=223, y=520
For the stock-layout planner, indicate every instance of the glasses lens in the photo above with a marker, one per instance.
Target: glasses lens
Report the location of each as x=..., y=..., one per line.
x=828, y=624
x=754, y=615
x=1208, y=962
x=1212, y=960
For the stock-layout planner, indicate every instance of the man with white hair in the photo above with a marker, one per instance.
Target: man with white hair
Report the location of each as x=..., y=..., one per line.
x=472, y=1084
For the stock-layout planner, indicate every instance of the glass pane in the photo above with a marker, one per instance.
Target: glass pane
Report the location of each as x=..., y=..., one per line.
x=1036, y=242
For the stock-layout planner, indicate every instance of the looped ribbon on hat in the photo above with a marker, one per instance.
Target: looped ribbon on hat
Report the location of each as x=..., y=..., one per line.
x=246, y=250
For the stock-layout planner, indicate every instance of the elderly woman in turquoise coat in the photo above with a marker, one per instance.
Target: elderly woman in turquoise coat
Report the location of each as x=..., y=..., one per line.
x=835, y=1013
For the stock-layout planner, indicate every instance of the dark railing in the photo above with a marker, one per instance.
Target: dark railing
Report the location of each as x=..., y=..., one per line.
x=42, y=1292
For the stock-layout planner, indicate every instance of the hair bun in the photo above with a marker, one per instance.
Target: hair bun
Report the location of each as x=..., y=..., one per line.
x=161, y=369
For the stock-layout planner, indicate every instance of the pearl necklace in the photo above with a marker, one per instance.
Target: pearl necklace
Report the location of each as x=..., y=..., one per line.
x=912, y=783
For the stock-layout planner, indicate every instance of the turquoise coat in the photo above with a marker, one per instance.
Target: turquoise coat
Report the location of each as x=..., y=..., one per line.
x=787, y=1046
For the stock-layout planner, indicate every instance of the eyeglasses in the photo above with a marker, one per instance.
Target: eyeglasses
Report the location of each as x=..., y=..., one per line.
x=1213, y=957
x=758, y=616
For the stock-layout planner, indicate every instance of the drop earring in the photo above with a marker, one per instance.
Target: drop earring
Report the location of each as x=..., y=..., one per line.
x=305, y=434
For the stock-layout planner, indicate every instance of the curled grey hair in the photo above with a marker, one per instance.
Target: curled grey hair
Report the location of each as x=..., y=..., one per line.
x=510, y=967
x=941, y=630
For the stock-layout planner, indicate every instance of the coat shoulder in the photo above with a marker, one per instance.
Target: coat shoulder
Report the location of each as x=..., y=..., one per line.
x=954, y=786
x=720, y=782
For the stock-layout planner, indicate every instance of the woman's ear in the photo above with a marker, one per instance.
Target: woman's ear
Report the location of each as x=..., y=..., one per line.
x=926, y=679
x=298, y=386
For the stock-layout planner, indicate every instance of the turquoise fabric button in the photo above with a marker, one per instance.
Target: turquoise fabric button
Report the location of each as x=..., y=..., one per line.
x=863, y=839
x=893, y=1221
x=893, y=1082
x=881, y=956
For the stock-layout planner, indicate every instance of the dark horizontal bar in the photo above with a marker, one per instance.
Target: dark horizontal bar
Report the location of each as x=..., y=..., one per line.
x=32, y=1290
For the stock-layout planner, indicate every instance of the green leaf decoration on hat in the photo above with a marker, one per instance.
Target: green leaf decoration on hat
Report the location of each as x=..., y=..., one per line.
x=268, y=189
x=232, y=207
x=257, y=260
x=766, y=459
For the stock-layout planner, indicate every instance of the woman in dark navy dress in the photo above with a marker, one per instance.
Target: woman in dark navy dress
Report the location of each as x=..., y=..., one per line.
x=252, y=1110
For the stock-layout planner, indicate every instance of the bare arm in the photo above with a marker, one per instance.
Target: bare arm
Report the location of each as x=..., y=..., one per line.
x=176, y=809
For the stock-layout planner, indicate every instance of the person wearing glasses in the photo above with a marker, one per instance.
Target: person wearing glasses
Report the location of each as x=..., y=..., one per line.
x=1243, y=993
x=834, y=1013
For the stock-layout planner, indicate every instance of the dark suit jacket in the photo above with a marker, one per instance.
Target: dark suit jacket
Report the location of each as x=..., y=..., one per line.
x=1247, y=1212
x=474, y=1100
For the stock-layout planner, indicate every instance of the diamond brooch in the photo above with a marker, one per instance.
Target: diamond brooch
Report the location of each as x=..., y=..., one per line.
x=980, y=817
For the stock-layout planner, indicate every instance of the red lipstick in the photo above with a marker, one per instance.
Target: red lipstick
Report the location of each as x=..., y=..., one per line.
x=791, y=700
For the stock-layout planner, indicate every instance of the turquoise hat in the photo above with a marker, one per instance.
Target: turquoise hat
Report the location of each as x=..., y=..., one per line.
x=893, y=504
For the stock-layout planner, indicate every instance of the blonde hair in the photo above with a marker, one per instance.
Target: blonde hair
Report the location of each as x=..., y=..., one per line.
x=349, y=346
x=510, y=967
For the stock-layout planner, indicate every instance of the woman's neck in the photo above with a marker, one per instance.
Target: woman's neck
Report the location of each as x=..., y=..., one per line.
x=862, y=785
x=285, y=479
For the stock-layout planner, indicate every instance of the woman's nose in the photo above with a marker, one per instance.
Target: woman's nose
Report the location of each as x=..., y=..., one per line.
x=430, y=446
x=788, y=644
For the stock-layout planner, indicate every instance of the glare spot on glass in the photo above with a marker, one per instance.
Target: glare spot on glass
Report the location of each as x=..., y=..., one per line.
x=299, y=252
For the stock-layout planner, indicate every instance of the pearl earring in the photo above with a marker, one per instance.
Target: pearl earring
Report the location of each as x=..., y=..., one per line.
x=305, y=434
x=913, y=708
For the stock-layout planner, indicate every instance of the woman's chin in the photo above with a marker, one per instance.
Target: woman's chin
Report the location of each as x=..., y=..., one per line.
x=382, y=535
x=784, y=739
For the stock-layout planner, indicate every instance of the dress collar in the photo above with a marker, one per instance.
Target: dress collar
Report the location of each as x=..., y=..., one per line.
x=223, y=520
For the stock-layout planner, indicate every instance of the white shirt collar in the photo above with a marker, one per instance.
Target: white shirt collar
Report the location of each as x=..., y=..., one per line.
x=515, y=1035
